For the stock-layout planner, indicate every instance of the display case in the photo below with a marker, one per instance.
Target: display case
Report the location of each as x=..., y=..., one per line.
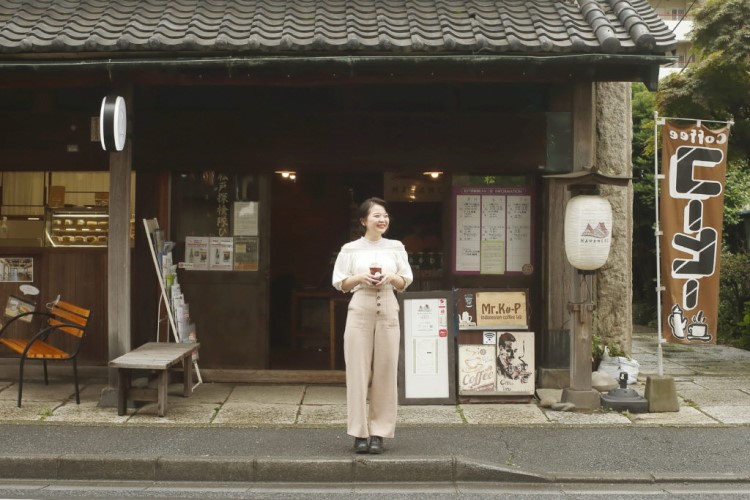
x=77, y=227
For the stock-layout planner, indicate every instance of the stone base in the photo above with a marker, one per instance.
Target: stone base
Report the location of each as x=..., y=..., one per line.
x=584, y=400
x=661, y=394
x=553, y=378
x=108, y=398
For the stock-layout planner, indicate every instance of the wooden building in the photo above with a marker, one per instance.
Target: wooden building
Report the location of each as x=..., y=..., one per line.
x=356, y=99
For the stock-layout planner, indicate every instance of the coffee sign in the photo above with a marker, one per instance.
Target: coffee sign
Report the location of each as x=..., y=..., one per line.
x=501, y=309
x=492, y=308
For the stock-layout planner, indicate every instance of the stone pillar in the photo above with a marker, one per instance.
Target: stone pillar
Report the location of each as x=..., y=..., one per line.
x=613, y=318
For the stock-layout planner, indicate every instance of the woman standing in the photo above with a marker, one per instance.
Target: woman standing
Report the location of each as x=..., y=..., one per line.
x=372, y=267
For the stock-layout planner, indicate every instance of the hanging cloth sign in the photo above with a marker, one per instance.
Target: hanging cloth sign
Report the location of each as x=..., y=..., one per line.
x=691, y=214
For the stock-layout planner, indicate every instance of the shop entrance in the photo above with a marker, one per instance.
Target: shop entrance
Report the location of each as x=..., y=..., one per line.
x=312, y=216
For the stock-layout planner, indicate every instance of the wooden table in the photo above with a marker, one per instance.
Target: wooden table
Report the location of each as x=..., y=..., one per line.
x=159, y=356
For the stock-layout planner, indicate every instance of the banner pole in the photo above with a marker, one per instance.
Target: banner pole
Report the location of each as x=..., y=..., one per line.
x=657, y=236
x=697, y=120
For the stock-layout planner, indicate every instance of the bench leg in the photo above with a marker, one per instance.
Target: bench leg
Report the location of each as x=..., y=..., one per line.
x=161, y=391
x=123, y=384
x=187, y=370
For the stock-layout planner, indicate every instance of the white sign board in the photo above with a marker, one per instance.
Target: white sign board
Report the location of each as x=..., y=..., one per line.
x=426, y=371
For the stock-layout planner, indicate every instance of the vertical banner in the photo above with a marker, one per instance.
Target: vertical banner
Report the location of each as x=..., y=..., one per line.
x=691, y=207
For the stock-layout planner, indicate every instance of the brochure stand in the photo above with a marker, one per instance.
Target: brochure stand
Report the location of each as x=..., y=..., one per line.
x=152, y=229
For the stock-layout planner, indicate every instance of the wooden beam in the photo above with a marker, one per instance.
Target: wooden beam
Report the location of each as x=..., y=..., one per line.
x=584, y=148
x=118, y=251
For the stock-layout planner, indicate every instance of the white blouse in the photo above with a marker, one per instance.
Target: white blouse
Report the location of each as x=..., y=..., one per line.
x=356, y=256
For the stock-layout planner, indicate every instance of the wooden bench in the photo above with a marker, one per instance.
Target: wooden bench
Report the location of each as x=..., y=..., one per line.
x=158, y=356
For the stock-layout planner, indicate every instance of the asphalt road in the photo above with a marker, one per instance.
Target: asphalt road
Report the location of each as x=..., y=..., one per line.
x=694, y=454
x=624, y=491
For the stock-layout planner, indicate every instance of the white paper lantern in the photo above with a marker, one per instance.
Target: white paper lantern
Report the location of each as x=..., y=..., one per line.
x=588, y=231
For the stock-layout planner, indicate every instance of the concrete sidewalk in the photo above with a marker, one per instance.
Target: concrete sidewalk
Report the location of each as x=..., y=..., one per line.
x=713, y=385
x=296, y=433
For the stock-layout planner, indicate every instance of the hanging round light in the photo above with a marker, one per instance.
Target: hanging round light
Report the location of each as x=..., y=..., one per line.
x=113, y=123
x=588, y=231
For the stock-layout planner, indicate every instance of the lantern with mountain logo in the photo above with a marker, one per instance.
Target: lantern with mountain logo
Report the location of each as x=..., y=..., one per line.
x=588, y=231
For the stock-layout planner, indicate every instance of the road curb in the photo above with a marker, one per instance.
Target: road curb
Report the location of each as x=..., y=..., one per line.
x=228, y=469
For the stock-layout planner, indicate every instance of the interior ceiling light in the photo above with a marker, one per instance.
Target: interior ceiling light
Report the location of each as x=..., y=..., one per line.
x=287, y=174
x=433, y=174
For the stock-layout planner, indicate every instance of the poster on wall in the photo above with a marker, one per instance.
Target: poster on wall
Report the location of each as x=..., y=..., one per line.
x=515, y=362
x=504, y=368
x=492, y=225
x=16, y=305
x=196, y=252
x=220, y=251
x=476, y=368
x=245, y=253
x=426, y=372
x=17, y=269
x=245, y=218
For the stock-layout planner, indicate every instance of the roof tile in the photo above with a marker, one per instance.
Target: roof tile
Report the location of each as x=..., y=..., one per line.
x=247, y=26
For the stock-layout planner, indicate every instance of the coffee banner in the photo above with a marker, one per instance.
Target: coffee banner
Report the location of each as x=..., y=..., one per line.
x=691, y=215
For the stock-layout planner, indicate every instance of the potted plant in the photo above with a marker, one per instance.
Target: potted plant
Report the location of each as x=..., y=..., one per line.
x=597, y=351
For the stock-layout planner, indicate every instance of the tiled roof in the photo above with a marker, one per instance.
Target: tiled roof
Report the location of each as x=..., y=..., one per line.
x=351, y=26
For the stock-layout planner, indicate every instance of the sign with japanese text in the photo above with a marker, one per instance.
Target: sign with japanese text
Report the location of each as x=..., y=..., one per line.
x=691, y=215
x=493, y=226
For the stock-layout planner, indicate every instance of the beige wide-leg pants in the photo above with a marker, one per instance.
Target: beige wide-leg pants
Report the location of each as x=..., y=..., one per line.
x=371, y=345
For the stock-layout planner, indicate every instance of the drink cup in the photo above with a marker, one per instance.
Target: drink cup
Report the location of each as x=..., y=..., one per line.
x=376, y=270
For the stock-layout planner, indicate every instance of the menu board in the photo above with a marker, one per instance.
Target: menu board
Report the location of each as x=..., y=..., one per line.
x=426, y=371
x=492, y=229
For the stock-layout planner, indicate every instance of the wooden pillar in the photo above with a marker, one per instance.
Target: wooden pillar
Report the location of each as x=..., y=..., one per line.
x=118, y=256
x=584, y=152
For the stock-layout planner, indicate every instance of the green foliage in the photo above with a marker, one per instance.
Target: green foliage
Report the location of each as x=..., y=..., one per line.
x=718, y=86
x=734, y=299
x=644, y=253
x=597, y=349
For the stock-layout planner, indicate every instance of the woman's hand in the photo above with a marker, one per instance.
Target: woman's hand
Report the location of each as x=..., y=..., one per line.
x=364, y=279
x=394, y=279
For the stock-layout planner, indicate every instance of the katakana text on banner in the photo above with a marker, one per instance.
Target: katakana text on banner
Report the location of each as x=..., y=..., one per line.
x=691, y=215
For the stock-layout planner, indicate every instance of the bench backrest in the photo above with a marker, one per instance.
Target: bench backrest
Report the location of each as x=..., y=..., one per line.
x=66, y=313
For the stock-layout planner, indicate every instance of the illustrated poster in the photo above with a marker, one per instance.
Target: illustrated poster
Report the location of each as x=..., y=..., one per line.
x=476, y=368
x=245, y=253
x=515, y=362
x=220, y=253
x=196, y=252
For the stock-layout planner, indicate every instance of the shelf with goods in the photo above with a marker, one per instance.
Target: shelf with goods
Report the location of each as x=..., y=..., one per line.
x=177, y=310
x=80, y=227
x=84, y=227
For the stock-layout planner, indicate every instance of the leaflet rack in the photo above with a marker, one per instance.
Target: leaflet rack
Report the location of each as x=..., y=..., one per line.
x=152, y=226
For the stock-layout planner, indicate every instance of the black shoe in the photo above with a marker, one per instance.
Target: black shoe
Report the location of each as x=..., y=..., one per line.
x=361, y=445
x=376, y=445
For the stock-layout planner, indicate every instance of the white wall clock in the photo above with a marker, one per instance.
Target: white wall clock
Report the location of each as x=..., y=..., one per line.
x=113, y=123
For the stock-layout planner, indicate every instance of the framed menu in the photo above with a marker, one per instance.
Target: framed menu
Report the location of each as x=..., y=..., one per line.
x=492, y=225
x=426, y=373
